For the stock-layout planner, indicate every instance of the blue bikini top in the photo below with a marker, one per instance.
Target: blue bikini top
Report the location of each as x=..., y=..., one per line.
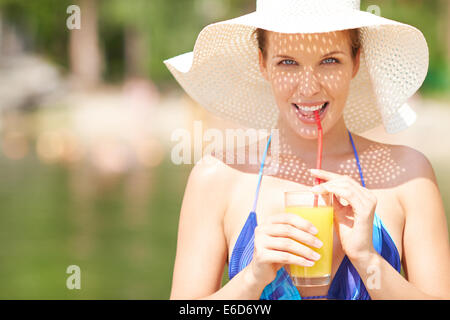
x=346, y=284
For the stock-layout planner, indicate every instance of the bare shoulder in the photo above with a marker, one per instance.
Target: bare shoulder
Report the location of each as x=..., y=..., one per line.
x=208, y=168
x=416, y=180
x=415, y=163
x=218, y=172
x=419, y=176
x=209, y=184
x=210, y=173
x=399, y=163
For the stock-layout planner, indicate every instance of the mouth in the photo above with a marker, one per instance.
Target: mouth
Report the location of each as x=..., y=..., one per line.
x=306, y=114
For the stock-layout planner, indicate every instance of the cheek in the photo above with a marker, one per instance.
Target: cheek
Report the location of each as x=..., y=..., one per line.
x=335, y=81
x=283, y=82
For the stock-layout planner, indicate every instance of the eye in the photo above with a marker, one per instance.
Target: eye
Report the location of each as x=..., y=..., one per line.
x=330, y=61
x=287, y=64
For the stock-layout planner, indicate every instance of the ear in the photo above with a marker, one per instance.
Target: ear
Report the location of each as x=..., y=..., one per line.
x=356, y=63
x=262, y=65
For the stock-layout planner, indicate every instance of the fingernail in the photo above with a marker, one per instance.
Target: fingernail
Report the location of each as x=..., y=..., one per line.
x=316, y=256
x=318, y=244
x=314, y=230
x=309, y=263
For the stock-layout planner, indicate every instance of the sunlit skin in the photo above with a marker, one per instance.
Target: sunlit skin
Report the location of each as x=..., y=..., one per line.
x=400, y=185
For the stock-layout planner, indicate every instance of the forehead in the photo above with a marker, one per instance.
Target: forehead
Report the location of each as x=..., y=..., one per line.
x=312, y=42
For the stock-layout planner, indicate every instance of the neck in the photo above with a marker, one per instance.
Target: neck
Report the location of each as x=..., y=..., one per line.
x=335, y=142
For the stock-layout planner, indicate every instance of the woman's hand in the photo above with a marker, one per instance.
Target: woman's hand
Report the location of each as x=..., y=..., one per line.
x=354, y=209
x=282, y=239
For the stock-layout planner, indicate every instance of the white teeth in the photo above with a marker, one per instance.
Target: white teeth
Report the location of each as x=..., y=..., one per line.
x=311, y=109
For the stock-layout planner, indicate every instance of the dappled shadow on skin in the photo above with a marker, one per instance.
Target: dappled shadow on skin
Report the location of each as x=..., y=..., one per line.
x=304, y=68
x=378, y=163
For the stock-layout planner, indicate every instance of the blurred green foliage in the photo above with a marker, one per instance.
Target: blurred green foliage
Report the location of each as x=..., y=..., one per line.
x=41, y=24
x=170, y=28
x=52, y=229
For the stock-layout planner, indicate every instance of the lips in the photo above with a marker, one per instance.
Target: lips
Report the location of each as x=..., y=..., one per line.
x=308, y=117
x=311, y=113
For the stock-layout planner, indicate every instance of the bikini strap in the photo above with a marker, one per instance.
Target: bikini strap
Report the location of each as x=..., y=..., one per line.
x=255, y=201
x=378, y=224
x=357, y=159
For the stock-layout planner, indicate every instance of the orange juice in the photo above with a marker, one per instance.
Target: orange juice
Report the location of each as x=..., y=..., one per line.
x=322, y=219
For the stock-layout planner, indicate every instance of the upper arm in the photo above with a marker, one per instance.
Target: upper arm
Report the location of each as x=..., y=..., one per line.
x=201, y=246
x=425, y=239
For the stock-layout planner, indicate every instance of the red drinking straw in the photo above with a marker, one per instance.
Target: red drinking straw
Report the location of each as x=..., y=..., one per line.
x=319, y=153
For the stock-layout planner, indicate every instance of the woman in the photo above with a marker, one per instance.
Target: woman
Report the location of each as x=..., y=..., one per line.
x=358, y=70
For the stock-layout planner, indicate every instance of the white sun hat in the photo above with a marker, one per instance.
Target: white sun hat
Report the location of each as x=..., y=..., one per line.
x=222, y=73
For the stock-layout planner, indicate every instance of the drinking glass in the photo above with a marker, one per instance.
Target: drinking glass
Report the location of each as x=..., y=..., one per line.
x=317, y=208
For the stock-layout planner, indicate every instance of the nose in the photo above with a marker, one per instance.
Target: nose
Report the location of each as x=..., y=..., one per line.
x=308, y=84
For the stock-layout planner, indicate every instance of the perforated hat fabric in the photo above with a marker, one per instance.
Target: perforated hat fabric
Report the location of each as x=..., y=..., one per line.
x=222, y=72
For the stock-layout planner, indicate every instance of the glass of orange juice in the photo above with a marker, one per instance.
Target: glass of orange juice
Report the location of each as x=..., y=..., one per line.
x=317, y=208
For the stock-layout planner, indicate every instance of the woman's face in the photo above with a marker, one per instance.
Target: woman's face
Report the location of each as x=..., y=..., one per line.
x=307, y=70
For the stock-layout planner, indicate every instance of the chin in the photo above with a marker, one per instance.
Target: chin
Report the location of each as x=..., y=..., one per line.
x=305, y=131
x=309, y=133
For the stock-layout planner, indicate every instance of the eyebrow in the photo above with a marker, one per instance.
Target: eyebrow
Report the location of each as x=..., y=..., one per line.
x=325, y=55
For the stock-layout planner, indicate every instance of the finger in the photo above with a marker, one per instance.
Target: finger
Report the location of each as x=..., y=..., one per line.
x=349, y=184
x=327, y=175
x=331, y=176
x=344, y=192
x=293, y=220
x=343, y=202
x=324, y=189
x=282, y=257
x=288, y=231
x=291, y=246
x=365, y=196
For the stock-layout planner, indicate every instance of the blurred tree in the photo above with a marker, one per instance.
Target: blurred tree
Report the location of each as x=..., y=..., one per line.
x=447, y=26
x=84, y=51
x=136, y=53
x=131, y=25
x=41, y=24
